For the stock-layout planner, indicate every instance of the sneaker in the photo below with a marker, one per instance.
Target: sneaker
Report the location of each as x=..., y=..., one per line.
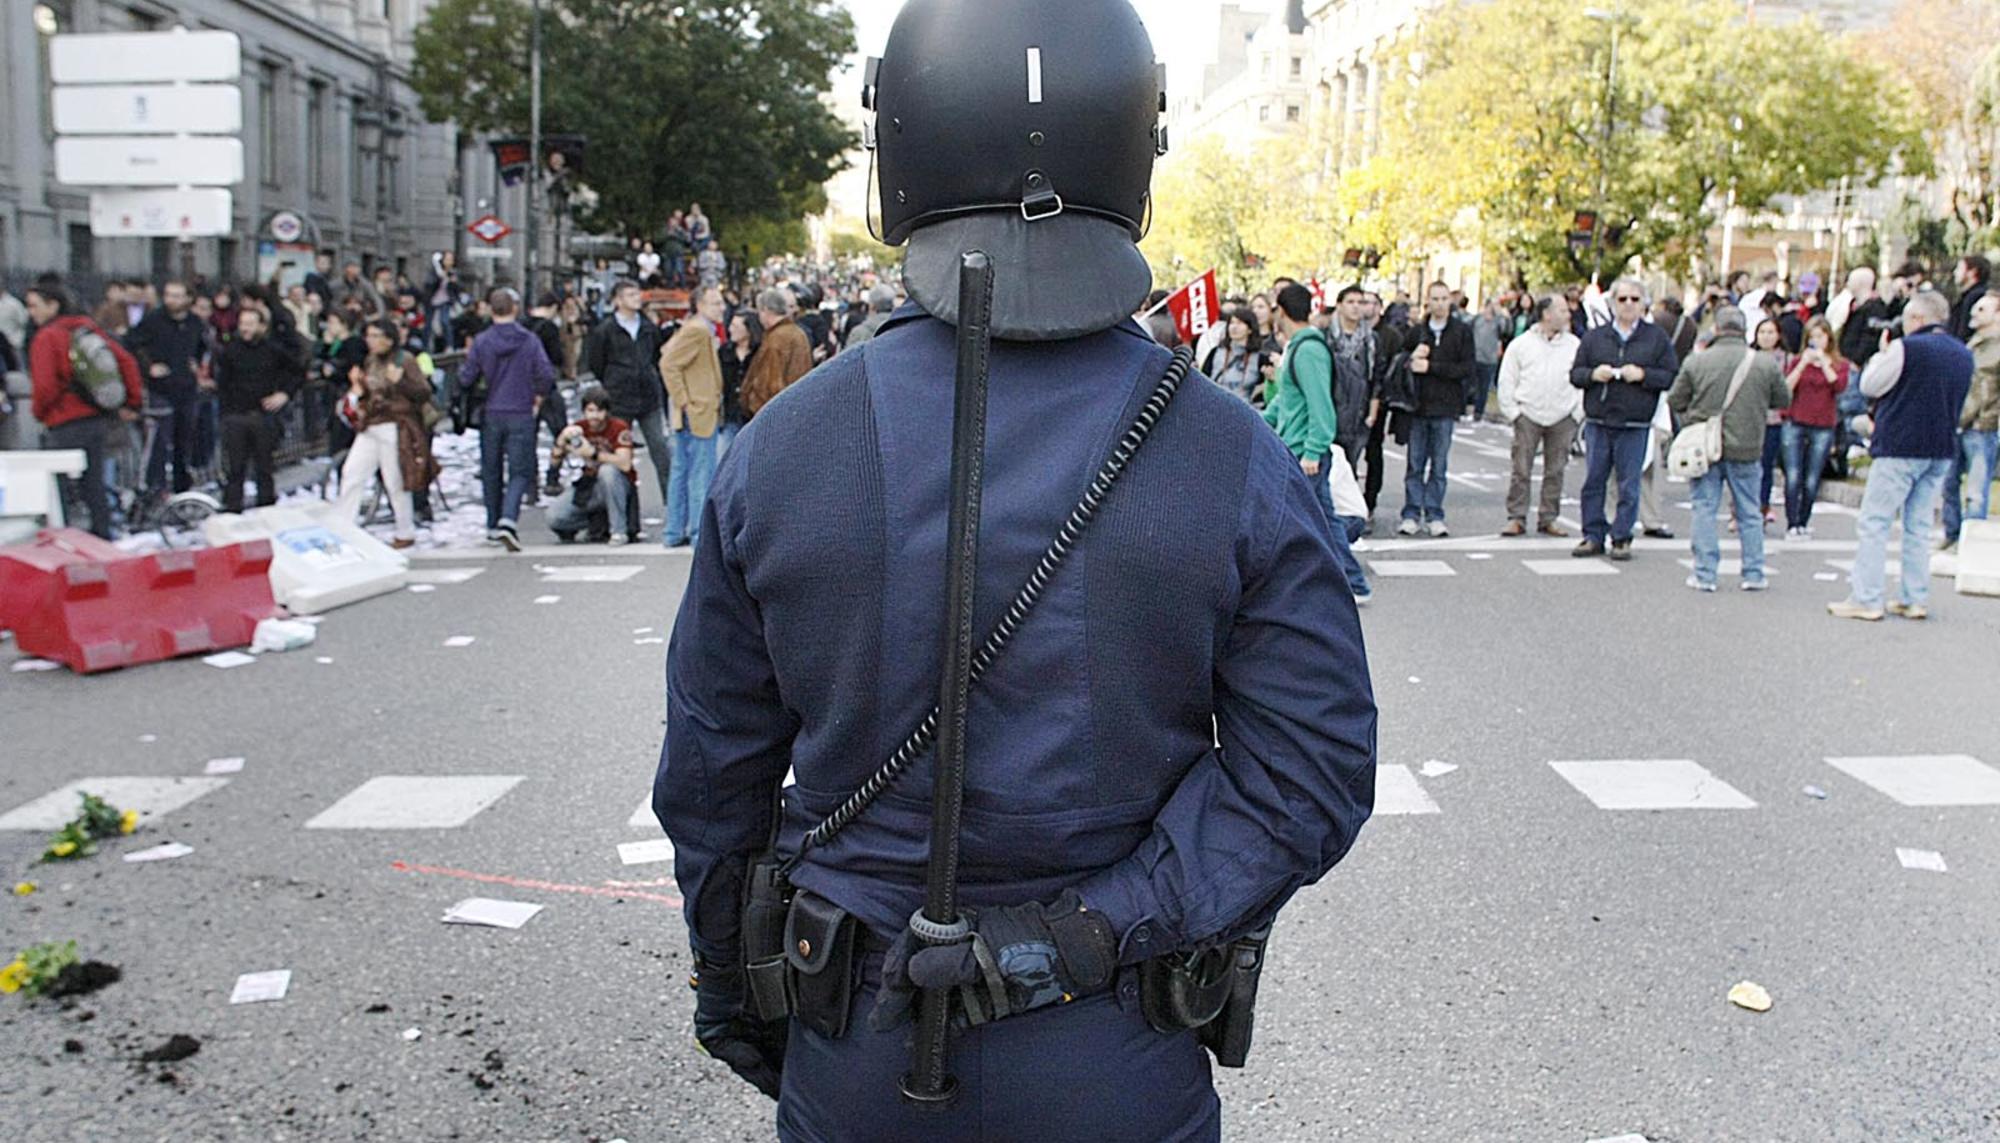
x=1621, y=550
x=1407, y=528
x=1848, y=609
x=1915, y=611
x=1758, y=584
x=554, y=487
x=1660, y=533
x=509, y=538
x=492, y=535
x=1361, y=598
x=1438, y=529
x=1587, y=549
x=617, y=540
x=1698, y=585
x=1516, y=528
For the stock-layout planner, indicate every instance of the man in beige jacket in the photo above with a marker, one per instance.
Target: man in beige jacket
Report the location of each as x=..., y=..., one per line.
x=690, y=366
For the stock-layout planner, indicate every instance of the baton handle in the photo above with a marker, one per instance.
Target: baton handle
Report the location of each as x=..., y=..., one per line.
x=930, y=1082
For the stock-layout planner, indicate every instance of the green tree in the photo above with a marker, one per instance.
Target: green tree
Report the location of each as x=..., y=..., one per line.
x=1502, y=119
x=1955, y=89
x=715, y=101
x=1251, y=217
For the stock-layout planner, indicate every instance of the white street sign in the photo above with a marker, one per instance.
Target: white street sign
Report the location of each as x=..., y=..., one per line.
x=200, y=213
x=146, y=57
x=157, y=109
x=136, y=161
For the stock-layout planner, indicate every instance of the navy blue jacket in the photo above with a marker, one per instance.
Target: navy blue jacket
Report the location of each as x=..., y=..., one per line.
x=1623, y=404
x=515, y=365
x=1205, y=605
x=179, y=344
x=1919, y=417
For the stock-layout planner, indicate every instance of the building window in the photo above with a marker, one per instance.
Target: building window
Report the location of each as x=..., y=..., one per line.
x=267, y=124
x=1298, y=67
x=161, y=254
x=82, y=249
x=316, y=138
x=1291, y=113
x=1263, y=113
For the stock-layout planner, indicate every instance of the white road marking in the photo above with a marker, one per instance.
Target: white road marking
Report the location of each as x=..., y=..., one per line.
x=592, y=573
x=150, y=796
x=1397, y=792
x=1927, y=860
x=1728, y=567
x=1652, y=784
x=646, y=852
x=1570, y=566
x=443, y=575
x=1927, y=779
x=1411, y=569
x=414, y=802
x=643, y=817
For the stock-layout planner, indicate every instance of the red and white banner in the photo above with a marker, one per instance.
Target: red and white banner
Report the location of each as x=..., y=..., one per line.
x=1320, y=300
x=1195, y=307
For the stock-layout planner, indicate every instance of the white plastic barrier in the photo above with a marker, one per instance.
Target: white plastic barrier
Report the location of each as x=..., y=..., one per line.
x=28, y=489
x=1979, y=558
x=318, y=560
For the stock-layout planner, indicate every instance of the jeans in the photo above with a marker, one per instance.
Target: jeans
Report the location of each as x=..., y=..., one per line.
x=175, y=436
x=1972, y=469
x=1741, y=476
x=1897, y=486
x=1346, y=530
x=725, y=435
x=1430, y=461
x=687, y=490
x=610, y=493
x=659, y=446
x=1484, y=378
x=248, y=440
x=1620, y=450
x=1805, y=450
x=93, y=436
x=375, y=450
x=1774, y=447
x=1553, y=442
x=506, y=465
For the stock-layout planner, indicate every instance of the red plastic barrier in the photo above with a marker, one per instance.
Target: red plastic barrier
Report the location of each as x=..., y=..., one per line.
x=80, y=601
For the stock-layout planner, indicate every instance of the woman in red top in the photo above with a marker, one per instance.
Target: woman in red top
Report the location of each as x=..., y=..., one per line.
x=1816, y=378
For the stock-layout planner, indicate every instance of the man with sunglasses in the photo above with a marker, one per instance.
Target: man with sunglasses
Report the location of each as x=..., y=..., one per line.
x=1622, y=367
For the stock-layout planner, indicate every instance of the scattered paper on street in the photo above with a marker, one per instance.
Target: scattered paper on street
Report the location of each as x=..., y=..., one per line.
x=1928, y=860
x=412, y=1035
x=491, y=913
x=1815, y=792
x=547, y=599
x=22, y=666
x=648, y=639
x=323, y=660
x=223, y=766
x=1435, y=768
x=460, y=641
x=253, y=987
x=1415, y=679
x=282, y=635
x=228, y=659
x=646, y=852
x=165, y=851
x=1827, y=577
x=1751, y=996
x=642, y=630
x=422, y=588
x=149, y=738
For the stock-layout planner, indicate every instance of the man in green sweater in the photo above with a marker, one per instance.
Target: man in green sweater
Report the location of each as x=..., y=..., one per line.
x=1701, y=393
x=1298, y=401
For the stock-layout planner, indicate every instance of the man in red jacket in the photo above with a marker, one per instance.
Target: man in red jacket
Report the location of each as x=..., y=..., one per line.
x=71, y=420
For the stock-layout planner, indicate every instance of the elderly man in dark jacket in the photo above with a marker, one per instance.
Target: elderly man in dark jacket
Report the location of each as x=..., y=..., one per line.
x=1442, y=361
x=1622, y=367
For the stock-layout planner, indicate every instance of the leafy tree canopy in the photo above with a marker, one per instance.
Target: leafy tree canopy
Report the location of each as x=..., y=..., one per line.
x=1249, y=216
x=714, y=101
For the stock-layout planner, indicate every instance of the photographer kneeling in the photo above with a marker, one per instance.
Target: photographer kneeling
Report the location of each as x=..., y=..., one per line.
x=604, y=444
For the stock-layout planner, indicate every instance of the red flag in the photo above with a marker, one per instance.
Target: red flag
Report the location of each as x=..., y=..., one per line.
x=1319, y=296
x=1195, y=307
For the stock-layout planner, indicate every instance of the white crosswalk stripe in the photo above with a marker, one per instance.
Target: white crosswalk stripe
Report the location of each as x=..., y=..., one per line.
x=415, y=802
x=150, y=796
x=1411, y=569
x=1397, y=791
x=1927, y=779
x=1569, y=567
x=1652, y=784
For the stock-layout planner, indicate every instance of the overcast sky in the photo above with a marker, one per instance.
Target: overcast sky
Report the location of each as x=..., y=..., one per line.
x=1183, y=30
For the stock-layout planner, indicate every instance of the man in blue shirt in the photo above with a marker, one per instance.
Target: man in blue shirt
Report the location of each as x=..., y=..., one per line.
x=1178, y=738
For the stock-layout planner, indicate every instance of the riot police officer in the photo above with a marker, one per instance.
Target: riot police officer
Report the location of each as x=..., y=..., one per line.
x=1177, y=738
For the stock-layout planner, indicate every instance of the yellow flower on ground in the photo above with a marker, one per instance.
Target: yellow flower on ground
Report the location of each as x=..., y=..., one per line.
x=23, y=888
x=13, y=976
x=128, y=821
x=63, y=848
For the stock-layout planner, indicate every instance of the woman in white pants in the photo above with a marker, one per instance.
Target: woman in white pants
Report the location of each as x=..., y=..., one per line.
x=385, y=396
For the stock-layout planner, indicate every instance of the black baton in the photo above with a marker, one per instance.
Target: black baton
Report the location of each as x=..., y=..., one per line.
x=930, y=1083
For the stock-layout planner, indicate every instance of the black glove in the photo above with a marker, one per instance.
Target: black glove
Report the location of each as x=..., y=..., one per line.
x=726, y=1029
x=1019, y=958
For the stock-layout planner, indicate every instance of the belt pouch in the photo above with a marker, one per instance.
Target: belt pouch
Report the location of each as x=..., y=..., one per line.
x=1179, y=991
x=1228, y=1035
x=764, y=911
x=820, y=944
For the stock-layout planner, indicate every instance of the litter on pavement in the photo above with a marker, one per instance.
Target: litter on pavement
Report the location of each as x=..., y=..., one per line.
x=228, y=659
x=1928, y=860
x=1751, y=996
x=648, y=639
x=1436, y=769
x=22, y=666
x=422, y=588
x=223, y=766
x=1815, y=792
x=324, y=660
x=254, y=987
x=545, y=599
x=642, y=630
x=282, y=635
x=646, y=852
x=491, y=913
x=412, y=1035
x=460, y=641
x=165, y=851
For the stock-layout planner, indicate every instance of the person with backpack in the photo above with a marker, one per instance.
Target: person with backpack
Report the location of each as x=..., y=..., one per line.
x=85, y=385
x=1299, y=401
x=1358, y=365
x=1740, y=386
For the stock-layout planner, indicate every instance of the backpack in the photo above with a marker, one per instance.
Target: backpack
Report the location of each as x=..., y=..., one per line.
x=94, y=371
x=1350, y=398
x=1399, y=385
x=1698, y=447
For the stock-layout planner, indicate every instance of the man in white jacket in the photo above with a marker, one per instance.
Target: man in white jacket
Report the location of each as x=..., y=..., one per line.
x=1536, y=397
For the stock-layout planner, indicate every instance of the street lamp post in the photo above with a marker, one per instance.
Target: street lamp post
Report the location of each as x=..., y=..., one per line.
x=1616, y=19
x=534, y=144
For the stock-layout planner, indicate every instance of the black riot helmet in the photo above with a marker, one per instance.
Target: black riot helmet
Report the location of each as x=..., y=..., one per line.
x=1026, y=129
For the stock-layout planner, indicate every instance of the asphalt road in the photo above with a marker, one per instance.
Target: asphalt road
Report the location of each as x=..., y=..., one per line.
x=1520, y=964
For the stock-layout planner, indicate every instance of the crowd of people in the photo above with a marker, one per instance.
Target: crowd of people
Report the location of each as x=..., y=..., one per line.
x=1795, y=380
